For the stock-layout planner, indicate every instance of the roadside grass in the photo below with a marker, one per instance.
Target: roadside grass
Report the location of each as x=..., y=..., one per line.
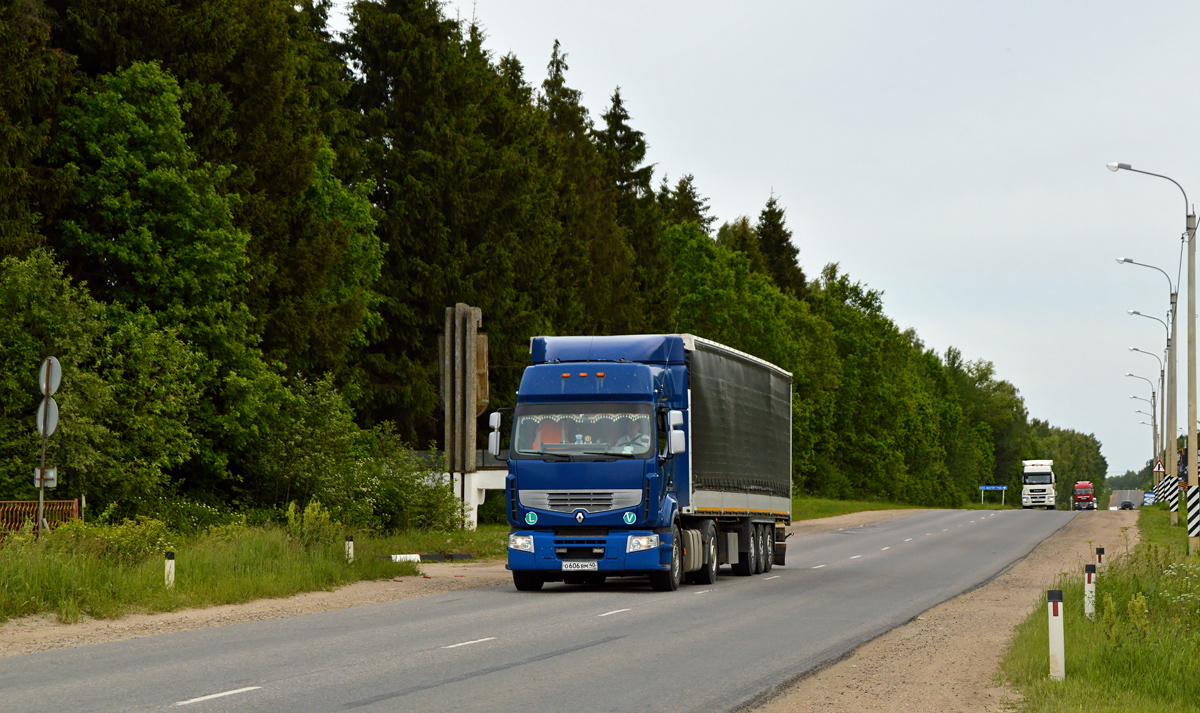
x=67, y=576
x=1140, y=653
x=809, y=508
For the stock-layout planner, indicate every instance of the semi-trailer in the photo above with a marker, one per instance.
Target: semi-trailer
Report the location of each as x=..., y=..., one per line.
x=664, y=456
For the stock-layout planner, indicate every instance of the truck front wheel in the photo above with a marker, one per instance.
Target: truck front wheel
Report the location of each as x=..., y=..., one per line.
x=527, y=581
x=669, y=581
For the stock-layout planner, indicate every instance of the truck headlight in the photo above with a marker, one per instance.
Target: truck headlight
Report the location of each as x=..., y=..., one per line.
x=522, y=543
x=638, y=543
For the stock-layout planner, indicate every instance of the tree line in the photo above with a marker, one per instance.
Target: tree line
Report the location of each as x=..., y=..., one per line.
x=238, y=232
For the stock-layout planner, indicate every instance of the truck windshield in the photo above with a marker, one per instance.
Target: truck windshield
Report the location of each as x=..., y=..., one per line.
x=583, y=431
x=1083, y=491
x=1038, y=479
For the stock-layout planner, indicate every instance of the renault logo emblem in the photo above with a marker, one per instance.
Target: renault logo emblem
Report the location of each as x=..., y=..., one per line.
x=579, y=517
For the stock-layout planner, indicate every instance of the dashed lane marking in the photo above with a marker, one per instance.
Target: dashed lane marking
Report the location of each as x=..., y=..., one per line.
x=855, y=557
x=819, y=566
x=468, y=643
x=909, y=540
x=614, y=611
x=217, y=695
x=881, y=549
x=777, y=576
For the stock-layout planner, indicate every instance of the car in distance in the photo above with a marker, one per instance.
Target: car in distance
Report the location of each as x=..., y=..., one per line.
x=1126, y=505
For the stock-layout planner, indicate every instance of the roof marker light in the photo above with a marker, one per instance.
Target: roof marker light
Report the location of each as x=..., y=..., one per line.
x=565, y=375
x=600, y=374
x=583, y=373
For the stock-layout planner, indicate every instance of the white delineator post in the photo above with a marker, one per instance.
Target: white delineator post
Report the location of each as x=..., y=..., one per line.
x=349, y=549
x=1058, y=659
x=1099, y=559
x=1089, y=591
x=169, y=571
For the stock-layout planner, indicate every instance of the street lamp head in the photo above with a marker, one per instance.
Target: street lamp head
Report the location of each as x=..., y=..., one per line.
x=1123, y=260
x=1133, y=311
x=1114, y=166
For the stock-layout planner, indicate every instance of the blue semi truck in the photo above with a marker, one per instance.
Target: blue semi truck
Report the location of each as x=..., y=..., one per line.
x=664, y=456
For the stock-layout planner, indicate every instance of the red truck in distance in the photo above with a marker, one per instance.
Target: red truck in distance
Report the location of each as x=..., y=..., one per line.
x=1084, y=496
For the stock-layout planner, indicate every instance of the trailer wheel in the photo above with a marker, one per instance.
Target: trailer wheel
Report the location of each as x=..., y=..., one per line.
x=669, y=581
x=708, y=539
x=769, y=548
x=528, y=581
x=758, y=540
x=747, y=557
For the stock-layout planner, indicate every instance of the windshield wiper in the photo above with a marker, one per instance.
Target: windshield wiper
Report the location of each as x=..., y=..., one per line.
x=564, y=456
x=610, y=453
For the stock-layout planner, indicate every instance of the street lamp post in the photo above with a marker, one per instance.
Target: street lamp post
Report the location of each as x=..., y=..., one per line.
x=1190, y=235
x=1154, y=407
x=1170, y=410
x=1153, y=434
x=1153, y=424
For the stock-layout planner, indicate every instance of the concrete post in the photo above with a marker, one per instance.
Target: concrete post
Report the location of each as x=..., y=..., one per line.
x=169, y=571
x=349, y=549
x=1058, y=659
x=1089, y=591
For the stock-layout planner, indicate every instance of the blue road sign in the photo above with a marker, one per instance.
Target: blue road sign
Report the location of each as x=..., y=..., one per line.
x=993, y=487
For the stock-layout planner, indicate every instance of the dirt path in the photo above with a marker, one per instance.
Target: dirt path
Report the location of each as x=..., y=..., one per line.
x=946, y=660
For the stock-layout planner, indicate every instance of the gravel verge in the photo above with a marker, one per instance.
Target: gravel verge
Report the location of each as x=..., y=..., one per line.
x=948, y=659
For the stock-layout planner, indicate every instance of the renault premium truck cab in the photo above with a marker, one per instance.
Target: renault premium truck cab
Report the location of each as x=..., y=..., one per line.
x=661, y=456
x=1038, y=484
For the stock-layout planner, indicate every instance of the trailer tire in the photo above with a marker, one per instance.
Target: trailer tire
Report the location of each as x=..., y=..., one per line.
x=707, y=574
x=669, y=581
x=758, y=540
x=528, y=581
x=769, y=549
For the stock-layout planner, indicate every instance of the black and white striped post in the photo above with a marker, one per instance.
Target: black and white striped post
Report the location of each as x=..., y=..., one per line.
x=1193, y=512
x=169, y=571
x=1058, y=659
x=1089, y=591
x=1173, y=494
x=349, y=549
x=1099, y=559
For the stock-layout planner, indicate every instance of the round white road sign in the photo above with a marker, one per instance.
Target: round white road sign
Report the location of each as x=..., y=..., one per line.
x=47, y=417
x=50, y=374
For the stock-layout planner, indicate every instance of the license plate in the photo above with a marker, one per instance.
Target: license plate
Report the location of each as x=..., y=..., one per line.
x=580, y=566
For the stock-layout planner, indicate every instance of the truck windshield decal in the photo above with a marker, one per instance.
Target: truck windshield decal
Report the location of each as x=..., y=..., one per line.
x=583, y=431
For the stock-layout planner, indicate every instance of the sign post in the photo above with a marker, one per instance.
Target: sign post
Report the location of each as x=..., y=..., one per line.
x=49, y=377
x=1002, y=488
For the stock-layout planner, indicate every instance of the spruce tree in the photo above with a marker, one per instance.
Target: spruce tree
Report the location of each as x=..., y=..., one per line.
x=684, y=203
x=779, y=254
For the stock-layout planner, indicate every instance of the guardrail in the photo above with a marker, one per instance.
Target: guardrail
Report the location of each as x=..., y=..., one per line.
x=15, y=513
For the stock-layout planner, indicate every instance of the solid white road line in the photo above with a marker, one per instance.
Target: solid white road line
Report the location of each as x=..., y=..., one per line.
x=468, y=643
x=614, y=611
x=819, y=566
x=217, y=695
x=777, y=576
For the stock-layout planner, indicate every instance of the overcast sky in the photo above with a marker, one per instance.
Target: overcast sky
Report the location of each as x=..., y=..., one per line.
x=949, y=154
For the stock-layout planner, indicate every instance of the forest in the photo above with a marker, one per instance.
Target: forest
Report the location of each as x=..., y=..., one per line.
x=238, y=232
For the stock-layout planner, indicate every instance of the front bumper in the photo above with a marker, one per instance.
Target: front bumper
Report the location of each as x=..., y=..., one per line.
x=549, y=551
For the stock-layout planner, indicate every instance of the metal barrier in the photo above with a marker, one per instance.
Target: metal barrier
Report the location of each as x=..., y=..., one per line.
x=15, y=513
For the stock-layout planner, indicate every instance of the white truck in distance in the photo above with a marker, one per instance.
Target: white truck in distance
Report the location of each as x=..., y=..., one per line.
x=1038, y=486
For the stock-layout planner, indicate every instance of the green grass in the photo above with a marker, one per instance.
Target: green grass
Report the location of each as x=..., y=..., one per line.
x=1139, y=654
x=807, y=508
x=70, y=577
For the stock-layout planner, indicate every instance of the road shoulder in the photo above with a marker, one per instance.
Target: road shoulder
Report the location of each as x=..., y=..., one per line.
x=948, y=658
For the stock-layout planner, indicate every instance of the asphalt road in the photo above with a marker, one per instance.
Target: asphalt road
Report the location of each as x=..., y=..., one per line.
x=621, y=647
x=1133, y=496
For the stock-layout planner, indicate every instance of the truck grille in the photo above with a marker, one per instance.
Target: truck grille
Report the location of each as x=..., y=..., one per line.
x=587, y=500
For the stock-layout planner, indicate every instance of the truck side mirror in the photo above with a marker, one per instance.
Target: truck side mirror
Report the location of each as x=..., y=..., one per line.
x=494, y=442
x=494, y=420
x=678, y=443
x=674, y=418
